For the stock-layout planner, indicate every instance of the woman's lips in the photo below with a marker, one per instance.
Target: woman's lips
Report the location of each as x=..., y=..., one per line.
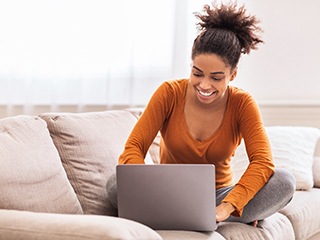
x=205, y=94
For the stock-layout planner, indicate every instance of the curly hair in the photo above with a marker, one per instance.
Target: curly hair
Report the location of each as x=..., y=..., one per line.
x=227, y=31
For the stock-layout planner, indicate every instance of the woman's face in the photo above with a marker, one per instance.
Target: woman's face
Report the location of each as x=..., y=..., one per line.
x=209, y=78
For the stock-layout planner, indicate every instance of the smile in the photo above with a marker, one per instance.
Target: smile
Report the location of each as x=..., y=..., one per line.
x=205, y=94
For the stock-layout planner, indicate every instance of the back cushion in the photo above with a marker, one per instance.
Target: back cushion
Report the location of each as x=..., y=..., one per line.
x=292, y=148
x=89, y=145
x=32, y=176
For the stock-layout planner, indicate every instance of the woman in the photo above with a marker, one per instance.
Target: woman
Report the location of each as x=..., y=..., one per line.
x=203, y=119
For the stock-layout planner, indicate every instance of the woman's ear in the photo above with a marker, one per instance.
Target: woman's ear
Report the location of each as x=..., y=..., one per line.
x=234, y=73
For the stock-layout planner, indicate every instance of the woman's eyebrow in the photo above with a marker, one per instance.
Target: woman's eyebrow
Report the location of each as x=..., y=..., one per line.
x=198, y=69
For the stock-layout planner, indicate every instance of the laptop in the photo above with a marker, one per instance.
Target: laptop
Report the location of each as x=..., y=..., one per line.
x=168, y=196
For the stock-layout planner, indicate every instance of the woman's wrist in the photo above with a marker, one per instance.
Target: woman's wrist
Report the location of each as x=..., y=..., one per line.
x=228, y=207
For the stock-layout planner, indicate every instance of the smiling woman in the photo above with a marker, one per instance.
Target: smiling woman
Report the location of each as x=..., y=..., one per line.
x=202, y=120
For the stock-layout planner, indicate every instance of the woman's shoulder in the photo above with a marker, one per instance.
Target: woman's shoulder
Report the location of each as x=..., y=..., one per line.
x=177, y=84
x=239, y=95
x=241, y=101
x=174, y=87
x=170, y=93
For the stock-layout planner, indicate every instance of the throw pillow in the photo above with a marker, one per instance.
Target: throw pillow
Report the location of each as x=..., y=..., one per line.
x=292, y=148
x=32, y=176
x=89, y=145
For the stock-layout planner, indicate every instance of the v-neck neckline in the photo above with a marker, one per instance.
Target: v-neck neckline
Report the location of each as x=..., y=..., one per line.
x=216, y=132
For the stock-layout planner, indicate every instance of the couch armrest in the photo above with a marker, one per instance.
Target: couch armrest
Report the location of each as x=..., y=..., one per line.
x=30, y=225
x=316, y=171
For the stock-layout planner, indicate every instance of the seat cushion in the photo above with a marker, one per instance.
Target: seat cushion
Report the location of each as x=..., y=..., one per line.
x=31, y=226
x=32, y=176
x=274, y=227
x=303, y=212
x=189, y=235
x=89, y=145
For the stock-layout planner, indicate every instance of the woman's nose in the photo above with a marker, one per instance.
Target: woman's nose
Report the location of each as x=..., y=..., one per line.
x=205, y=83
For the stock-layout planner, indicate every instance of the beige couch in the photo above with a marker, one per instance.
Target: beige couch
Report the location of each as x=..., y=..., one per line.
x=54, y=168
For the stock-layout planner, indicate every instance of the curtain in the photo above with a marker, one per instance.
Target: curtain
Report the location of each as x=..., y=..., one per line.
x=107, y=53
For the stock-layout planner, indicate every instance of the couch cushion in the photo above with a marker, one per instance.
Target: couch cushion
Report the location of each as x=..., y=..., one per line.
x=30, y=226
x=292, y=148
x=189, y=235
x=32, y=176
x=89, y=145
x=303, y=212
x=274, y=227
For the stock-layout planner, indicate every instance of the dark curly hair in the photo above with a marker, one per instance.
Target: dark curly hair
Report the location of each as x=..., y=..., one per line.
x=227, y=31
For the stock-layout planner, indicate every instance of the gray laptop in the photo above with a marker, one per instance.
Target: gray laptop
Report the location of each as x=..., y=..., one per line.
x=168, y=196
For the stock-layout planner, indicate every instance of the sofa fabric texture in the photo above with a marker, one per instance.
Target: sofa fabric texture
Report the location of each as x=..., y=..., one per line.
x=274, y=227
x=89, y=145
x=54, y=173
x=17, y=225
x=303, y=212
x=316, y=171
x=32, y=176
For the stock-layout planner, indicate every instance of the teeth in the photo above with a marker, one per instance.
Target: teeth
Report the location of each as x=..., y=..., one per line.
x=205, y=93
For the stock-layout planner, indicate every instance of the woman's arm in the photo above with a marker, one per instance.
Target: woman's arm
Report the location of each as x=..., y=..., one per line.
x=147, y=126
x=261, y=165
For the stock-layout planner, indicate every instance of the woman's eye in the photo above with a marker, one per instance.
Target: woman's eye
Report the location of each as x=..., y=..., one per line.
x=197, y=75
x=216, y=79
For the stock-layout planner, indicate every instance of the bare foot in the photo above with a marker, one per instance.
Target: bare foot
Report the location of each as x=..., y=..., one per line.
x=254, y=223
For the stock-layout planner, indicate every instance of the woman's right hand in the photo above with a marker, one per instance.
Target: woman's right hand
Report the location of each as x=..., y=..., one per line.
x=223, y=211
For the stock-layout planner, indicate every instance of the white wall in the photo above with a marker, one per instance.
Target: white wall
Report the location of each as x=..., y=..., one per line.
x=285, y=70
x=282, y=72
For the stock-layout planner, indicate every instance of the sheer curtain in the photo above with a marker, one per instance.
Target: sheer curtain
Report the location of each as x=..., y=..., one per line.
x=58, y=53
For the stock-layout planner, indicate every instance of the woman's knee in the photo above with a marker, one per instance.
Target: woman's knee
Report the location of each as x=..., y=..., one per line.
x=275, y=195
x=283, y=185
x=285, y=180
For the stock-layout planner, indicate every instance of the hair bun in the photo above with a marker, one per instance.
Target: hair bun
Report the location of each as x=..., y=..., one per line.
x=231, y=18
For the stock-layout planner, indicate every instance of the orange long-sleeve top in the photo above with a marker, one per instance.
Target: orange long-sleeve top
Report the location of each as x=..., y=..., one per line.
x=242, y=119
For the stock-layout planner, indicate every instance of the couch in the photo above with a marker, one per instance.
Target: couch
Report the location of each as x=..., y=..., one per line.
x=54, y=169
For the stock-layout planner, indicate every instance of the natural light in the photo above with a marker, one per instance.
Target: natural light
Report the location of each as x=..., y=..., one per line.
x=85, y=52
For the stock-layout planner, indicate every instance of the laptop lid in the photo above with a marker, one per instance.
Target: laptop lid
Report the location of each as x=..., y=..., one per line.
x=168, y=196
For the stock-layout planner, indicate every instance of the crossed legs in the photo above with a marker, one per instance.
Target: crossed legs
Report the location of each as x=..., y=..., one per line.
x=275, y=195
